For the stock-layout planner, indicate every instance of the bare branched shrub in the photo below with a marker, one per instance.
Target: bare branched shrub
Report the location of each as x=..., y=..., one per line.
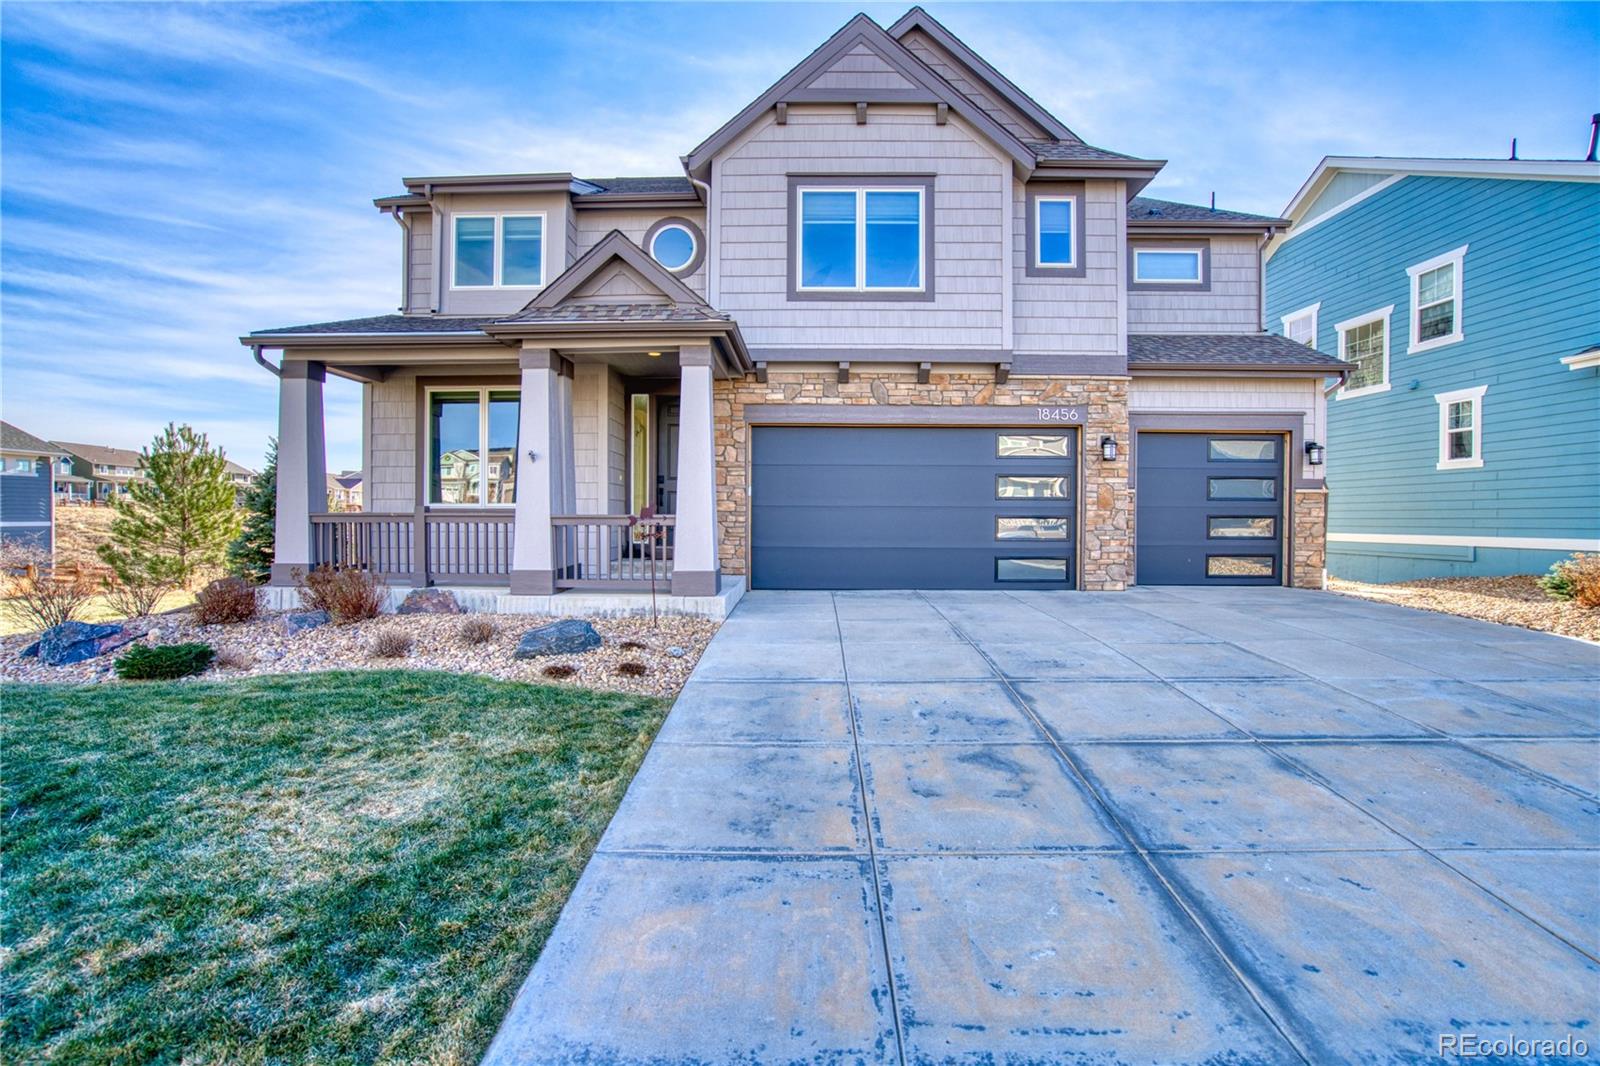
x=476, y=631
x=137, y=599
x=559, y=671
x=347, y=595
x=1583, y=572
x=39, y=599
x=227, y=601
x=390, y=644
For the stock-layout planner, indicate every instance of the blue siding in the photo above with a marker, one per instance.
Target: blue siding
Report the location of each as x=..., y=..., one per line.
x=1531, y=296
x=25, y=507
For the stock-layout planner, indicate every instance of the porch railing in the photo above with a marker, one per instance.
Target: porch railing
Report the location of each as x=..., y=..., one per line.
x=457, y=547
x=613, y=551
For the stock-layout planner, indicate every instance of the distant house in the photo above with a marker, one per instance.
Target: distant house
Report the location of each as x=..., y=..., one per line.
x=108, y=471
x=344, y=491
x=240, y=477
x=1462, y=294
x=27, y=505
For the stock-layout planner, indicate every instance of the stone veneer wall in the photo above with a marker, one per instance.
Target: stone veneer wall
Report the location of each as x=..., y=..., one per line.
x=1310, y=538
x=1106, y=505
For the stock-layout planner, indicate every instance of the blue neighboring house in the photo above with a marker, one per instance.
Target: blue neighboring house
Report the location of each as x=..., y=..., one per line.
x=1466, y=295
x=27, y=502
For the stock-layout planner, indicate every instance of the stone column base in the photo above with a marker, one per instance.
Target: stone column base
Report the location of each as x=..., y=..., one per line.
x=1310, y=525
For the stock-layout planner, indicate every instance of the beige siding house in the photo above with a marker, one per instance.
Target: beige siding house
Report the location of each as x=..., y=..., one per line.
x=894, y=326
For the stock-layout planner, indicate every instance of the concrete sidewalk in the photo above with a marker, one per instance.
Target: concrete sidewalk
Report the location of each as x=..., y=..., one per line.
x=1162, y=826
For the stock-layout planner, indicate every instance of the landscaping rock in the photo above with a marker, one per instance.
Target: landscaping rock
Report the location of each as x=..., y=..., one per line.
x=676, y=652
x=430, y=601
x=74, y=642
x=566, y=637
x=300, y=621
x=30, y=652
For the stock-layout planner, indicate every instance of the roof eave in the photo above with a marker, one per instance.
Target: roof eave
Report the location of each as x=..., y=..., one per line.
x=723, y=328
x=602, y=201
x=1318, y=369
x=437, y=338
x=1176, y=225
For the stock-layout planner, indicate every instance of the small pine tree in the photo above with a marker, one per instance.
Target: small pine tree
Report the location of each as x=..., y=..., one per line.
x=179, y=517
x=250, y=554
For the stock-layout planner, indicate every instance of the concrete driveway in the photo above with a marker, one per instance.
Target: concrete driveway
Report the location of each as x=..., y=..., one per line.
x=1162, y=826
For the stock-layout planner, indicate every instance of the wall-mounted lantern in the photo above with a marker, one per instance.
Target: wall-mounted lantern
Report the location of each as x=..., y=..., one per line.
x=1315, y=453
x=1108, y=449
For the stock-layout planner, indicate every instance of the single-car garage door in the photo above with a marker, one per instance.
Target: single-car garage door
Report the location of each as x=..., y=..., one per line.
x=1210, y=509
x=871, y=507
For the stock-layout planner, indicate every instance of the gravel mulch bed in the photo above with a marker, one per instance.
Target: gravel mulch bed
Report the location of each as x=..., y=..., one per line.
x=1512, y=601
x=260, y=647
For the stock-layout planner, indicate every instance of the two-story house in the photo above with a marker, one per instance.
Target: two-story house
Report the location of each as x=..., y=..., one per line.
x=105, y=471
x=27, y=503
x=1464, y=294
x=894, y=326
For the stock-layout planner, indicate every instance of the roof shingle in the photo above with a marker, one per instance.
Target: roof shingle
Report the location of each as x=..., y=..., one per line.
x=1146, y=209
x=1243, y=350
x=390, y=324
x=16, y=439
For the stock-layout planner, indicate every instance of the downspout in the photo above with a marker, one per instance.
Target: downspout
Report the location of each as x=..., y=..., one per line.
x=711, y=228
x=405, y=256
x=255, y=350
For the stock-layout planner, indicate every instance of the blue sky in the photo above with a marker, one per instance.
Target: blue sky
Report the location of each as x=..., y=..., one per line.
x=174, y=176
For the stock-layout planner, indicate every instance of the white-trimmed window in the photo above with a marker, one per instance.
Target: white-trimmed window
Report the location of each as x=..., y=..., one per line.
x=1157, y=265
x=1436, y=301
x=1301, y=326
x=861, y=239
x=505, y=251
x=1054, y=243
x=673, y=246
x=1461, y=428
x=472, y=446
x=1364, y=343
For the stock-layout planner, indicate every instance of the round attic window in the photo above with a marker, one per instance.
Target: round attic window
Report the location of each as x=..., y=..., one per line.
x=676, y=244
x=673, y=247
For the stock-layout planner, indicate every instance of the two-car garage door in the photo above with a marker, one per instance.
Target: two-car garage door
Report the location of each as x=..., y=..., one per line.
x=881, y=507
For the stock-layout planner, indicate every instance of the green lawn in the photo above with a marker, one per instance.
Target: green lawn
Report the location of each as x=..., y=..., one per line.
x=326, y=868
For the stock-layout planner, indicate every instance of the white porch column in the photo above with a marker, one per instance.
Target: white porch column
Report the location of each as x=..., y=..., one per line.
x=302, y=467
x=539, y=482
x=695, y=568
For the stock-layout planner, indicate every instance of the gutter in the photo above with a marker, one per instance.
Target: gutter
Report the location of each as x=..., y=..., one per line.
x=255, y=350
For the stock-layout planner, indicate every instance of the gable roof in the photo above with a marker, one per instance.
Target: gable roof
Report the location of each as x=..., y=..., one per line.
x=16, y=439
x=1400, y=166
x=561, y=301
x=918, y=19
x=860, y=31
x=103, y=454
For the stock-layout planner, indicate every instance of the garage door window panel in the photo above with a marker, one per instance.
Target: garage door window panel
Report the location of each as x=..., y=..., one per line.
x=1226, y=450
x=1015, y=569
x=1016, y=527
x=1241, y=566
x=1020, y=487
x=1241, y=488
x=1242, y=527
x=1031, y=445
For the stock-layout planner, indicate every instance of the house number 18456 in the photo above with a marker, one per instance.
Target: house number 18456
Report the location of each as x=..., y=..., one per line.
x=1061, y=414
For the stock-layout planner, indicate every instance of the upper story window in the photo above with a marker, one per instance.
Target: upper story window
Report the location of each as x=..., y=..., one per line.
x=1169, y=266
x=1054, y=222
x=867, y=239
x=464, y=426
x=1301, y=326
x=1461, y=428
x=1364, y=342
x=1436, y=301
x=677, y=244
x=498, y=252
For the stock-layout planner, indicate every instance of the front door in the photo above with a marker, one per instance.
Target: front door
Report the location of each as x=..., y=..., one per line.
x=667, y=456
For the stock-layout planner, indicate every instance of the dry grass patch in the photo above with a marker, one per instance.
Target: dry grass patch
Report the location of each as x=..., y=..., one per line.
x=333, y=868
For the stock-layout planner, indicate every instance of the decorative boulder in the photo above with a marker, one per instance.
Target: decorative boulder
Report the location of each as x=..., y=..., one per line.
x=301, y=621
x=430, y=601
x=74, y=642
x=30, y=652
x=566, y=637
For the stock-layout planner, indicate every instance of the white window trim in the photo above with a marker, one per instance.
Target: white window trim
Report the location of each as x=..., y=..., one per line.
x=1199, y=264
x=1458, y=258
x=1444, y=400
x=1038, y=232
x=483, y=392
x=1386, y=316
x=861, y=238
x=499, y=249
x=1304, y=312
x=694, y=247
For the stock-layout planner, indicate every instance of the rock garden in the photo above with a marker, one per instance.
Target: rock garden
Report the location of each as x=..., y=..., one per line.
x=430, y=632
